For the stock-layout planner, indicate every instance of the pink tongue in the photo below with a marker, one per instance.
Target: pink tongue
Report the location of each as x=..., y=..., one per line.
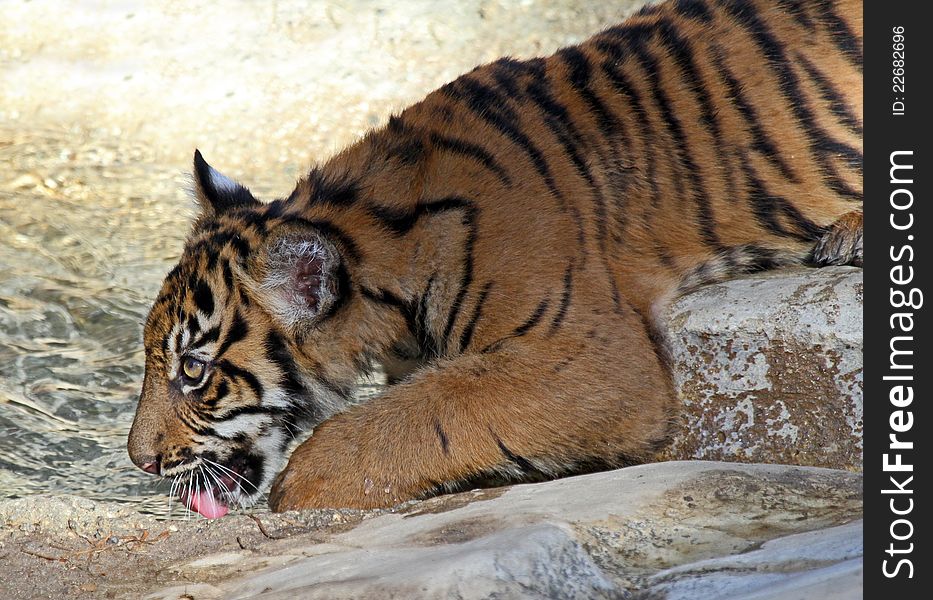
x=204, y=503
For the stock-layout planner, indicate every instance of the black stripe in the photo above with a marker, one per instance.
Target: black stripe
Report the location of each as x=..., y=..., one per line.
x=234, y=372
x=211, y=335
x=236, y=332
x=214, y=244
x=193, y=326
x=843, y=37
x=693, y=9
x=558, y=120
x=466, y=279
x=622, y=85
x=178, y=340
x=223, y=388
x=580, y=73
x=833, y=98
x=519, y=460
x=797, y=9
x=522, y=329
x=406, y=151
x=277, y=353
x=682, y=152
x=491, y=106
x=761, y=142
x=774, y=54
x=425, y=338
x=467, y=336
x=442, y=435
x=473, y=151
x=228, y=275
x=275, y=209
x=408, y=308
x=767, y=207
x=341, y=294
x=683, y=53
x=327, y=189
x=533, y=320
x=203, y=297
x=564, y=300
x=251, y=409
x=401, y=221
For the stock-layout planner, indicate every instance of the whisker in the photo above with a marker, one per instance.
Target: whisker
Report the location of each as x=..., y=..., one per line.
x=232, y=472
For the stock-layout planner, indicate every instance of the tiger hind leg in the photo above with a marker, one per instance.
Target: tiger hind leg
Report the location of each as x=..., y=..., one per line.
x=841, y=244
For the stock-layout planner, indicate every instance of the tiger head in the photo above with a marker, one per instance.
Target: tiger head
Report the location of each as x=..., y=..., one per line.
x=235, y=366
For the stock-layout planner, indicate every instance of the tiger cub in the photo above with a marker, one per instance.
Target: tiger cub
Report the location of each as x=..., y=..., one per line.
x=503, y=248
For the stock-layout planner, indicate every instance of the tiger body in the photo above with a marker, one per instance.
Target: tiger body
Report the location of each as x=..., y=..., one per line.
x=505, y=248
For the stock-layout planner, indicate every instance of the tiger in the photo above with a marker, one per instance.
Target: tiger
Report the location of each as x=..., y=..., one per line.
x=505, y=250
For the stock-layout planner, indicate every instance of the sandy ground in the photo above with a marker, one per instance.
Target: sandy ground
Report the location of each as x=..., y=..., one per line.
x=107, y=99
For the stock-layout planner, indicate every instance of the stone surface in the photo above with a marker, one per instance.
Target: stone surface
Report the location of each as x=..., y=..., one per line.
x=691, y=530
x=770, y=369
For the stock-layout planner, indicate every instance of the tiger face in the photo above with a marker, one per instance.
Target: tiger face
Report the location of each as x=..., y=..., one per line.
x=226, y=389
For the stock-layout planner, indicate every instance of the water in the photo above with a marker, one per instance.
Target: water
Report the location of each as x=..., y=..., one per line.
x=86, y=236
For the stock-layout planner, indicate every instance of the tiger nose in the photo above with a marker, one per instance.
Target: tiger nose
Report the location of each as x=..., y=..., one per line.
x=149, y=464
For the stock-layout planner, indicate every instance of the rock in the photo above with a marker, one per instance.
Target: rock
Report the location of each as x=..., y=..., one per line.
x=770, y=369
x=674, y=530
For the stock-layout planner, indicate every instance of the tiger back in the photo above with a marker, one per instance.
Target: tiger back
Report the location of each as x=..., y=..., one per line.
x=504, y=248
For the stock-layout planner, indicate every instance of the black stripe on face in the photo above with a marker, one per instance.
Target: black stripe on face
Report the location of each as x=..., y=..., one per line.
x=492, y=106
x=228, y=276
x=237, y=331
x=214, y=244
x=467, y=336
x=203, y=297
x=221, y=391
x=192, y=325
x=277, y=353
x=464, y=148
x=234, y=372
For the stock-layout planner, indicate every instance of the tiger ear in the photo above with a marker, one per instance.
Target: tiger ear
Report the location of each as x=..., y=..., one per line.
x=298, y=276
x=217, y=193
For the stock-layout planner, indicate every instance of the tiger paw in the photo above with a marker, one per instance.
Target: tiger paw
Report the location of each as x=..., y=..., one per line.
x=842, y=242
x=327, y=471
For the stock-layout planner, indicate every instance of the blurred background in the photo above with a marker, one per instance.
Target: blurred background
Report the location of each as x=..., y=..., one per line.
x=102, y=104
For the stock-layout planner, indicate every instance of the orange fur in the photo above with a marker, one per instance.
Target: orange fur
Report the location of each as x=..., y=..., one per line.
x=514, y=236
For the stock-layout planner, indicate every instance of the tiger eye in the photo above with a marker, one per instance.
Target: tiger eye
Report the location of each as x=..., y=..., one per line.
x=193, y=369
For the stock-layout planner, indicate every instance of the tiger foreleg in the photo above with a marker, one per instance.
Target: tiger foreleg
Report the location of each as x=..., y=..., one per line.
x=531, y=409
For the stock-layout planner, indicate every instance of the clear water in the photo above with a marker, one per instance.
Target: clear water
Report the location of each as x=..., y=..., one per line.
x=86, y=236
